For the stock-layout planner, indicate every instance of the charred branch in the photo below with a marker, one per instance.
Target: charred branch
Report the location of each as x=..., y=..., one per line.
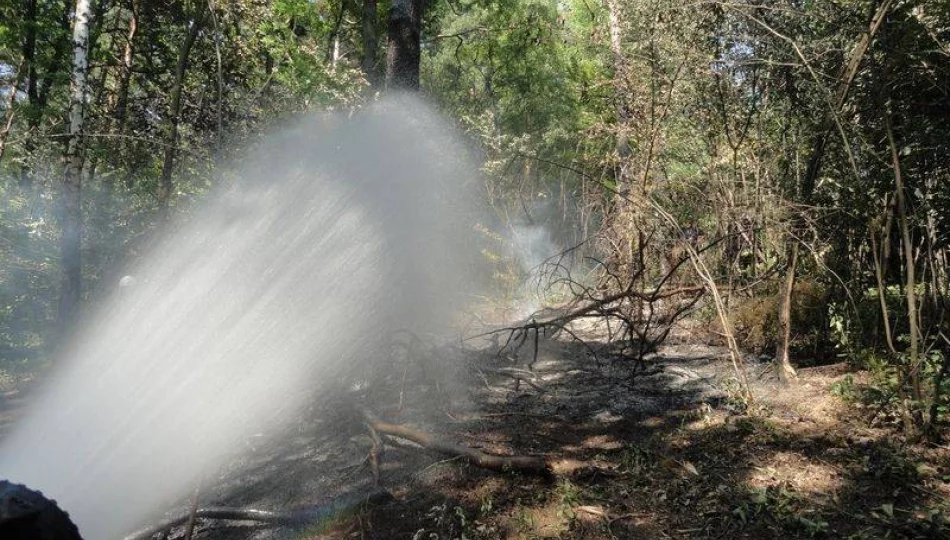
x=521, y=464
x=294, y=518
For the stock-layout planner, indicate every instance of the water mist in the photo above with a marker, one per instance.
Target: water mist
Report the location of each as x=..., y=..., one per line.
x=339, y=228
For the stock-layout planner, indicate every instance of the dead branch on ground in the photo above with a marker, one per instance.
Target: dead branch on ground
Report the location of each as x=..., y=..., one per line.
x=521, y=464
x=375, y=453
x=645, y=315
x=296, y=518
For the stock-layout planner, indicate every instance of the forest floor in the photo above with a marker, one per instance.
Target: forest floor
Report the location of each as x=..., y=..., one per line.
x=664, y=452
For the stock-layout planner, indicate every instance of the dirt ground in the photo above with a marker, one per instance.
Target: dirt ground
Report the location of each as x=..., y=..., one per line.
x=666, y=449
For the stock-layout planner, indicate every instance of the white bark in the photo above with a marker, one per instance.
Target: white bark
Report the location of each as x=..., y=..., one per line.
x=78, y=86
x=621, y=92
x=71, y=198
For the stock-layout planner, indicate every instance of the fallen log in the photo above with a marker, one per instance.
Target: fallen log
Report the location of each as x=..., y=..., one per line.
x=521, y=464
x=296, y=518
x=233, y=514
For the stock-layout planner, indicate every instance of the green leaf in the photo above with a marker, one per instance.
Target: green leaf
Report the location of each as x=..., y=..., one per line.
x=888, y=509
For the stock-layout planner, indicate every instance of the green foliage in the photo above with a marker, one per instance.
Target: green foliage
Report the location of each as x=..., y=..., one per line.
x=28, y=284
x=845, y=388
x=882, y=394
x=253, y=64
x=783, y=508
x=446, y=521
x=527, y=85
x=714, y=112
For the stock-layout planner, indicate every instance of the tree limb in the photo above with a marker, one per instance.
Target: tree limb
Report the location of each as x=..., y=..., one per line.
x=297, y=517
x=521, y=464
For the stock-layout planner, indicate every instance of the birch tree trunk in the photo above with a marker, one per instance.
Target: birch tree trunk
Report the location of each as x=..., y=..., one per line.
x=622, y=96
x=71, y=196
x=125, y=81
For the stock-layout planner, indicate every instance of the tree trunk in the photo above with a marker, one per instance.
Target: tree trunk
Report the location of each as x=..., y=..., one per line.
x=370, y=42
x=910, y=271
x=333, y=40
x=29, y=64
x=174, y=116
x=11, y=107
x=125, y=81
x=335, y=55
x=845, y=79
x=43, y=91
x=98, y=90
x=71, y=197
x=125, y=70
x=519, y=464
x=878, y=257
x=786, y=373
x=403, y=54
x=29, y=50
x=622, y=99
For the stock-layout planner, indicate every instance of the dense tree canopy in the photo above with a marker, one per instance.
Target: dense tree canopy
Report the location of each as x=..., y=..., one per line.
x=766, y=179
x=808, y=141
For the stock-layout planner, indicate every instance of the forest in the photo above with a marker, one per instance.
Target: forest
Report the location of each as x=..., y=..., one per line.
x=474, y=269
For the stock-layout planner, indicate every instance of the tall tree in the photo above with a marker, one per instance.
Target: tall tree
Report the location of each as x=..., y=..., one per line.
x=71, y=198
x=370, y=42
x=174, y=112
x=622, y=96
x=125, y=79
x=846, y=77
x=403, y=54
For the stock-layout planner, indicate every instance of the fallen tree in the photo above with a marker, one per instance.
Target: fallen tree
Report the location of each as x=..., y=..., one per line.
x=639, y=304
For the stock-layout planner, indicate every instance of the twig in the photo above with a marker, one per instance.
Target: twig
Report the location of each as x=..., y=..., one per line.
x=193, y=517
x=375, y=453
x=526, y=415
x=518, y=376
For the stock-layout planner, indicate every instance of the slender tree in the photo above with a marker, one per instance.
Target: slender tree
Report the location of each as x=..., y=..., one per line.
x=71, y=197
x=125, y=80
x=622, y=95
x=174, y=113
x=846, y=77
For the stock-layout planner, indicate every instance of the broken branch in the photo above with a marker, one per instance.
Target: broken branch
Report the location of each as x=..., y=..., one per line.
x=521, y=464
x=298, y=517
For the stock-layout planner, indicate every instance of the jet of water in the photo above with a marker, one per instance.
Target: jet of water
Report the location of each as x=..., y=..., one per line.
x=339, y=229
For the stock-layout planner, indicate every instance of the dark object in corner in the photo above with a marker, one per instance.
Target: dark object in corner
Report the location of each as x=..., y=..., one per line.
x=28, y=515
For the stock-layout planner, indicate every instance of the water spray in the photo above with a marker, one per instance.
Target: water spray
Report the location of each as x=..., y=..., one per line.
x=277, y=287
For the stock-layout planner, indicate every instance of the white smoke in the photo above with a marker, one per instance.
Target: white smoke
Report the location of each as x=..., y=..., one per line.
x=531, y=246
